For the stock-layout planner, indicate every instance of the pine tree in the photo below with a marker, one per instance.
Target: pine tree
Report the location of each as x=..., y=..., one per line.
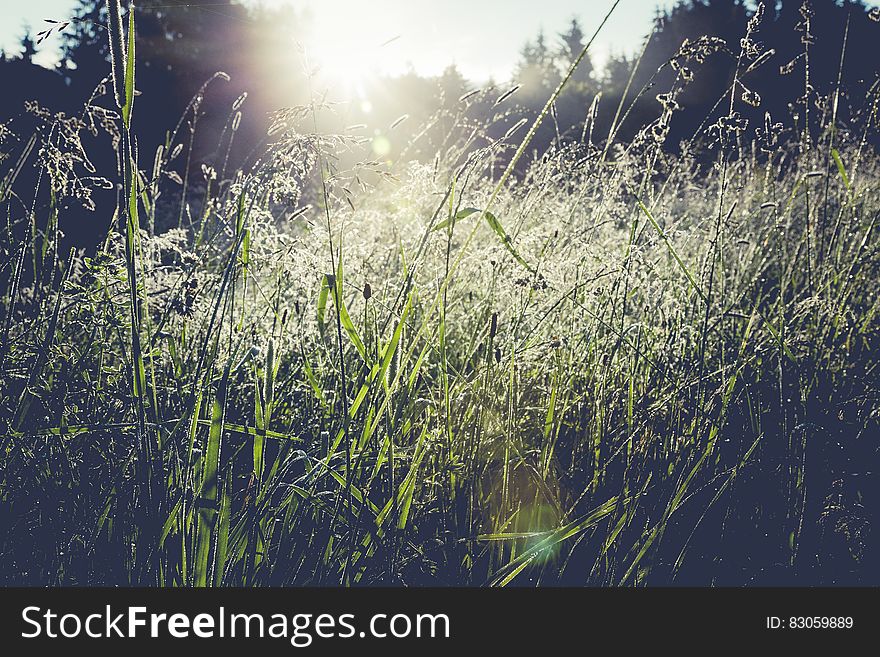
x=452, y=84
x=28, y=48
x=571, y=46
x=84, y=48
x=537, y=71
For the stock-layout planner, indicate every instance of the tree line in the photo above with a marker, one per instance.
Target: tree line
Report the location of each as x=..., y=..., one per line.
x=797, y=55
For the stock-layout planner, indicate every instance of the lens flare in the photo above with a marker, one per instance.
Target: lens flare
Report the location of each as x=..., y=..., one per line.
x=346, y=56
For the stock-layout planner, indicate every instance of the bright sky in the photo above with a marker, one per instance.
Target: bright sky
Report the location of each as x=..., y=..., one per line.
x=483, y=37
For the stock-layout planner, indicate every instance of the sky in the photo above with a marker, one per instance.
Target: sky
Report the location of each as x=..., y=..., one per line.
x=482, y=37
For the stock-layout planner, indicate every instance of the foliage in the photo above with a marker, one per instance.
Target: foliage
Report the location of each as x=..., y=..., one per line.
x=609, y=363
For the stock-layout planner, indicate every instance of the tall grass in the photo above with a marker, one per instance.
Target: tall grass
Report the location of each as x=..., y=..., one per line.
x=610, y=365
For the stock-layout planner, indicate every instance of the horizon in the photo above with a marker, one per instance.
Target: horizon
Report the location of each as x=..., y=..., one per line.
x=415, y=34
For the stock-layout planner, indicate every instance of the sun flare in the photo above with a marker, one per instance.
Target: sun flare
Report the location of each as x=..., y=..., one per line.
x=347, y=53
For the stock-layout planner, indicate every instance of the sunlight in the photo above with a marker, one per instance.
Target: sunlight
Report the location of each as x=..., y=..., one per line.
x=341, y=63
x=347, y=53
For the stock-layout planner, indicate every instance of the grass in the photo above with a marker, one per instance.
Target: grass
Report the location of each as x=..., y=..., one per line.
x=609, y=366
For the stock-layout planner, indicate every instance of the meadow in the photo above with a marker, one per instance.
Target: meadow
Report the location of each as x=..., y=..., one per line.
x=608, y=363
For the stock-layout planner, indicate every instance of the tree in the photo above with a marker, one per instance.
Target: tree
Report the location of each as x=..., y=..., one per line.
x=616, y=73
x=681, y=27
x=85, y=55
x=179, y=48
x=452, y=84
x=28, y=48
x=537, y=71
x=570, y=48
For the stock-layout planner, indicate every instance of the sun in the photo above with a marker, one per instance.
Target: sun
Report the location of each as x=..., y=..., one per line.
x=346, y=54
